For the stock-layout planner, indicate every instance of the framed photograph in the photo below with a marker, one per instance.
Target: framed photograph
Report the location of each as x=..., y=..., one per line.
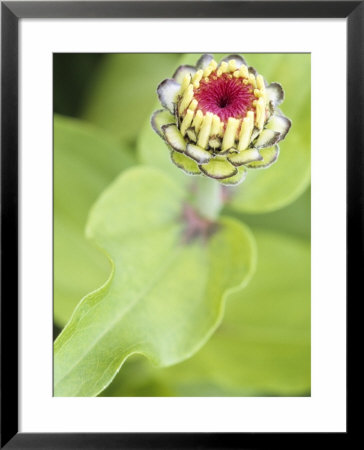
x=180, y=221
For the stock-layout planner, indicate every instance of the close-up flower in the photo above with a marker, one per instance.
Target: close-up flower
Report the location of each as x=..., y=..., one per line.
x=170, y=277
x=220, y=119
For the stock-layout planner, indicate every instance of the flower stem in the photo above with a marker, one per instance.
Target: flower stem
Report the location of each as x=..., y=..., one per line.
x=208, y=198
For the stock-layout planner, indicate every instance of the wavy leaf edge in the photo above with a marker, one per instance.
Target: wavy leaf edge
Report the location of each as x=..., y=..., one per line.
x=62, y=338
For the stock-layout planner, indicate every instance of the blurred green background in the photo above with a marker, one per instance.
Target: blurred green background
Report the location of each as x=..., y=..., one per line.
x=102, y=105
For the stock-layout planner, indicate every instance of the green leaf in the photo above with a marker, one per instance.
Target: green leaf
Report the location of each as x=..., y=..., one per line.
x=294, y=219
x=263, y=344
x=125, y=89
x=86, y=160
x=277, y=186
x=163, y=299
x=264, y=341
x=138, y=378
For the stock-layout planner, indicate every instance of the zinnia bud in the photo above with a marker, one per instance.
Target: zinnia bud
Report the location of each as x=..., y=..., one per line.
x=220, y=119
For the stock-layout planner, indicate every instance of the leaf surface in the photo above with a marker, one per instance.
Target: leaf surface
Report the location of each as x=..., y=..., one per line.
x=164, y=297
x=263, y=344
x=124, y=91
x=86, y=160
x=294, y=219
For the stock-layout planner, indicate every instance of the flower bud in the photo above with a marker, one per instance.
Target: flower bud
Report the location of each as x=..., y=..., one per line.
x=220, y=119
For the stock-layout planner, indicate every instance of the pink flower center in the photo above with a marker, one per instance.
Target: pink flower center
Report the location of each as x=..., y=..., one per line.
x=224, y=96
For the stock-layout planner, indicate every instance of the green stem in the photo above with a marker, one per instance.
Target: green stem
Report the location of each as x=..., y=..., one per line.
x=208, y=198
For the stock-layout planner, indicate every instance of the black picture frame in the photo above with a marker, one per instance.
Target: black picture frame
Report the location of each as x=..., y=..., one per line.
x=11, y=12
